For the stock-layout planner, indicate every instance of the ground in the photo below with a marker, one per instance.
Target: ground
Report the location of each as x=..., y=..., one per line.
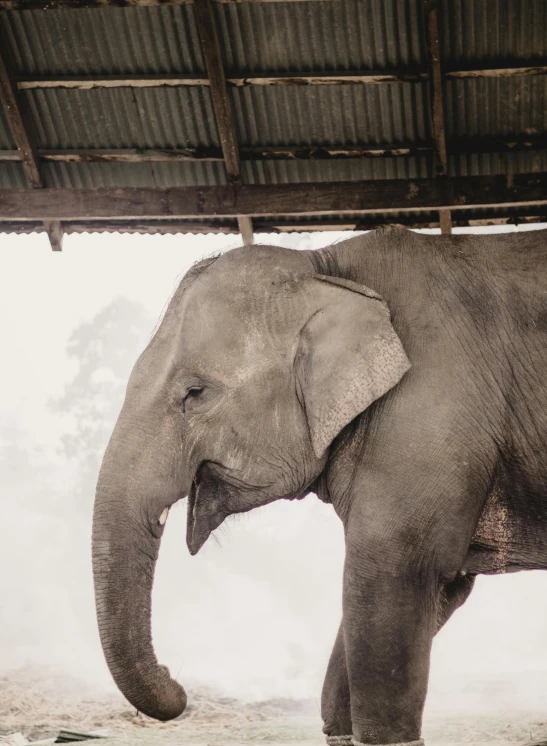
x=39, y=705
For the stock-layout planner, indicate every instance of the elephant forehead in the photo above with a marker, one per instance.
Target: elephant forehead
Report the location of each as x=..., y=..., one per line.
x=222, y=338
x=242, y=315
x=259, y=262
x=253, y=276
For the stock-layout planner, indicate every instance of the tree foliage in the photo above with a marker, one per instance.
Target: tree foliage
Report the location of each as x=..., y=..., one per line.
x=105, y=350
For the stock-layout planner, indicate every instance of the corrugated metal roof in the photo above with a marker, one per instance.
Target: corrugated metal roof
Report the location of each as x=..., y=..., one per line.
x=91, y=175
x=498, y=163
x=502, y=106
x=12, y=176
x=492, y=29
x=351, y=169
x=6, y=138
x=329, y=114
x=255, y=37
x=99, y=41
x=320, y=36
x=122, y=117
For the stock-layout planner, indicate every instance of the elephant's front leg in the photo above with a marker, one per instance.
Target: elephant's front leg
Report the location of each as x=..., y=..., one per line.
x=335, y=698
x=390, y=618
x=400, y=584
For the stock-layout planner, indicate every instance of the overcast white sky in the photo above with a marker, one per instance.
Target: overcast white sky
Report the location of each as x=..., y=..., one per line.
x=256, y=615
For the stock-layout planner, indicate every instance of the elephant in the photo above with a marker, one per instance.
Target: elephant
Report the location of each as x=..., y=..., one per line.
x=398, y=376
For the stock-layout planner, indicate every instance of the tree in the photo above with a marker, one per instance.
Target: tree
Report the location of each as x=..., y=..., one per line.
x=105, y=349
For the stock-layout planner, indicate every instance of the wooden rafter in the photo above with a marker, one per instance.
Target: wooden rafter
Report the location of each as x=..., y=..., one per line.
x=21, y=132
x=492, y=216
x=455, y=146
x=500, y=69
x=12, y=110
x=212, y=55
x=383, y=196
x=364, y=77
x=57, y=4
x=436, y=100
x=214, y=155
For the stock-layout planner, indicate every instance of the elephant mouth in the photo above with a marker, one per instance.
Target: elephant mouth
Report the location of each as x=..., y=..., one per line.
x=216, y=493
x=205, y=507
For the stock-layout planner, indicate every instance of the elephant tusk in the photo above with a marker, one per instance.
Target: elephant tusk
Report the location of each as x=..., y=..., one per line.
x=163, y=516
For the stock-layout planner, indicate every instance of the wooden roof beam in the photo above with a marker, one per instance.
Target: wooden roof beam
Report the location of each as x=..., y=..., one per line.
x=232, y=201
x=455, y=146
x=436, y=101
x=514, y=216
x=214, y=154
x=58, y=4
x=212, y=55
x=21, y=133
x=500, y=69
x=237, y=80
x=12, y=110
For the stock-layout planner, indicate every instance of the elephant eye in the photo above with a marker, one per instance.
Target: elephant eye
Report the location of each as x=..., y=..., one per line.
x=192, y=395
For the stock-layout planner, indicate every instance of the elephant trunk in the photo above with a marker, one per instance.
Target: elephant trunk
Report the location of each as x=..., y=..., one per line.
x=126, y=541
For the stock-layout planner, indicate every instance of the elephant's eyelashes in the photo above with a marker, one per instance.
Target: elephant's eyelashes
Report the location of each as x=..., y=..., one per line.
x=192, y=395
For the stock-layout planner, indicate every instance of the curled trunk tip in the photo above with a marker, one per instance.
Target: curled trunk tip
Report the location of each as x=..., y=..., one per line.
x=170, y=699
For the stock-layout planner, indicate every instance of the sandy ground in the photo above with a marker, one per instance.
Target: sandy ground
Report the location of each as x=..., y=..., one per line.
x=38, y=706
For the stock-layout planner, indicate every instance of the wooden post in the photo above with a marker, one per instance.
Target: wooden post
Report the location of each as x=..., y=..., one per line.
x=245, y=225
x=436, y=101
x=210, y=48
x=21, y=131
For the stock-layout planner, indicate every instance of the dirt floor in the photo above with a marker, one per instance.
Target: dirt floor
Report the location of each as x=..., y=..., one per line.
x=38, y=706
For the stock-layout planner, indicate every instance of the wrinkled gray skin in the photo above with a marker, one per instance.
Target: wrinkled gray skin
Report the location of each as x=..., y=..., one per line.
x=275, y=373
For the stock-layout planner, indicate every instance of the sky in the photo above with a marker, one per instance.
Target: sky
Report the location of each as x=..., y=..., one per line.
x=255, y=613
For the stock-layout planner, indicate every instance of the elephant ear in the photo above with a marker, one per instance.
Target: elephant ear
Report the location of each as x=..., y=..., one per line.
x=348, y=356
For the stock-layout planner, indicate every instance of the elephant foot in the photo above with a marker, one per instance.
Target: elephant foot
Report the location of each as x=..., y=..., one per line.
x=419, y=742
x=339, y=740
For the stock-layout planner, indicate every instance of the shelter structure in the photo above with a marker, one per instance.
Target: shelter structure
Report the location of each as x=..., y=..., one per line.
x=264, y=115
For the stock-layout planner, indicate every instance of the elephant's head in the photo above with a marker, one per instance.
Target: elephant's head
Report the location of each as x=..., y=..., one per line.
x=256, y=367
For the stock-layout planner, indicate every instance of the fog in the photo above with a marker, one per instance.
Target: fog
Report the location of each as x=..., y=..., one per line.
x=255, y=613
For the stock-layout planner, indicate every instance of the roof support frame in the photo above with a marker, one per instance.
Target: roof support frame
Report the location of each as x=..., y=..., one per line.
x=444, y=198
x=22, y=136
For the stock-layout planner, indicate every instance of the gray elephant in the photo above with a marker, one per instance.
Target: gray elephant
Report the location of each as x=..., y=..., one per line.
x=418, y=409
